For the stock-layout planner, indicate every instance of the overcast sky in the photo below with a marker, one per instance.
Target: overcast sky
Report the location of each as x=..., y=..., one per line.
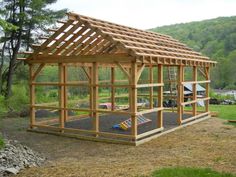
x=146, y=14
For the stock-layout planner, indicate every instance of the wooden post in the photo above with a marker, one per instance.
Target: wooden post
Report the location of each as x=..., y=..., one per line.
x=65, y=91
x=194, y=90
x=180, y=93
x=112, y=89
x=32, y=96
x=95, y=97
x=207, y=88
x=61, y=94
x=133, y=98
x=151, y=88
x=91, y=91
x=160, y=97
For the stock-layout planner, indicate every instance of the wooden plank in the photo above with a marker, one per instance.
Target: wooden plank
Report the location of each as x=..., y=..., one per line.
x=133, y=97
x=195, y=101
x=61, y=95
x=82, y=58
x=195, y=117
x=32, y=97
x=196, y=82
x=140, y=70
x=91, y=132
x=194, y=90
x=180, y=93
x=157, y=130
x=53, y=37
x=207, y=69
x=65, y=90
x=95, y=97
x=159, y=109
x=149, y=85
x=112, y=88
x=160, y=97
x=86, y=138
x=151, y=88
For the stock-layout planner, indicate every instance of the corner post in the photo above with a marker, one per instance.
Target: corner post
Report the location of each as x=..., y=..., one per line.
x=180, y=98
x=207, y=88
x=133, y=98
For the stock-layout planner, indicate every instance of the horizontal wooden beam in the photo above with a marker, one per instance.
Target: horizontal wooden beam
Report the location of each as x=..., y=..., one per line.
x=149, y=85
x=80, y=59
x=149, y=133
x=195, y=117
x=195, y=101
x=196, y=82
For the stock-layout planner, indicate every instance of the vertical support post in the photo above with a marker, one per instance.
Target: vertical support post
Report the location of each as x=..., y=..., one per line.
x=61, y=94
x=65, y=91
x=194, y=90
x=91, y=91
x=112, y=88
x=133, y=98
x=32, y=97
x=160, y=97
x=207, y=88
x=95, y=97
x=151, y=88
x=180, y=93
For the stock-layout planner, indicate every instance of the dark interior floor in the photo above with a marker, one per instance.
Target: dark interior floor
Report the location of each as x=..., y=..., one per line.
x=107, y=121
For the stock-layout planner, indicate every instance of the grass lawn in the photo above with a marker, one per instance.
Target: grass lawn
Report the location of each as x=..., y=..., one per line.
x=189, y=172
x=225, y=111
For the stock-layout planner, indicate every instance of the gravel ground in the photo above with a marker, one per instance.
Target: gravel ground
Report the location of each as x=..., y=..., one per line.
x=209, y=143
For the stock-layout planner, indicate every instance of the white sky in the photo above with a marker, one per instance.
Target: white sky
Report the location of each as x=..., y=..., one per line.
x=145, y=14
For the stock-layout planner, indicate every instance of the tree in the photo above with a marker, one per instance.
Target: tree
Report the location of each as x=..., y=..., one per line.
x=29, y=16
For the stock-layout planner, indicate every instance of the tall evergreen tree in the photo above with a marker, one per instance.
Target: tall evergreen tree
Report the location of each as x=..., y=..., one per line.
x=29, y=17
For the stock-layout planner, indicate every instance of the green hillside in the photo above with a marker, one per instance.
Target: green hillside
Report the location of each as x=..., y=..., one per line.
x=215, y=38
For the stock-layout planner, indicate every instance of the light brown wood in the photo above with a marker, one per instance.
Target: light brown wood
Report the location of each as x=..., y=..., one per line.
x=151, y=88
x=194, y=90
x=95, y=97
x=133, y=98
x=32, y=97
x=65, y=90
x=112, y=89
x=61, y=95
x=160, y=97
x=207, y=69
x=180, y=94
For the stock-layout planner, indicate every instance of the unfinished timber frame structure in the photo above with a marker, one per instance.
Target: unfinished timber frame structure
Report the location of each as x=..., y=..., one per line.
x=91, y=43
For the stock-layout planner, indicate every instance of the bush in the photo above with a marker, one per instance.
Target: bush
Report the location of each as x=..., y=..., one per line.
x=1, y=142
x=19, y=98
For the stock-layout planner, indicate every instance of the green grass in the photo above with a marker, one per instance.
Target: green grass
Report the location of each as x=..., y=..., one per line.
x=225, y=111
x=189, y=172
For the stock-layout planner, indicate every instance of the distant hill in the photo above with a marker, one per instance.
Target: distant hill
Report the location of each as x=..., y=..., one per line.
x=215, y=38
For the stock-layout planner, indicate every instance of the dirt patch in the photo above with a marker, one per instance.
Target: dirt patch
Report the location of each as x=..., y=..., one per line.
x=210, y=143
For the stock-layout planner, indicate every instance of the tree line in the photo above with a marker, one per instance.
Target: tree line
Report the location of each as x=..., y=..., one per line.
x=215, y=38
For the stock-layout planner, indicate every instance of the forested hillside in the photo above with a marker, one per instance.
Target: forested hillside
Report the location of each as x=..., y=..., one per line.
x=215, y=38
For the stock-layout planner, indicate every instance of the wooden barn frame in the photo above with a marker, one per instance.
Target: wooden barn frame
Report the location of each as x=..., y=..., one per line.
x=91, y=43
